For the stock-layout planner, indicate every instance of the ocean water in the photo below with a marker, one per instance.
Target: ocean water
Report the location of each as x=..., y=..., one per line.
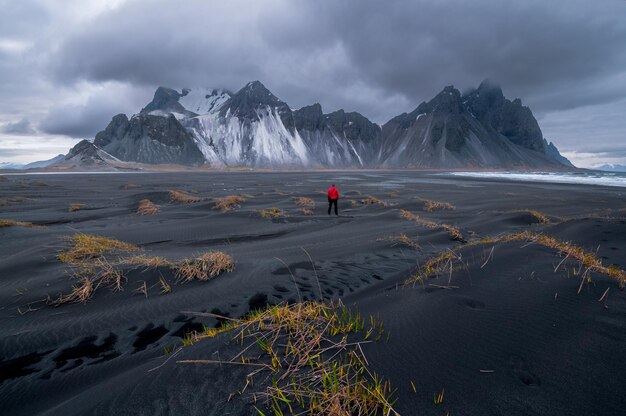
x=587, y=178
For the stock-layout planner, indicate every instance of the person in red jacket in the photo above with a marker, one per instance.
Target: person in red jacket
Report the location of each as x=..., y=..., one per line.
x=333, y=196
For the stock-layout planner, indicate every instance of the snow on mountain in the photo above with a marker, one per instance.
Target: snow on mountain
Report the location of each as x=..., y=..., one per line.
x=235, y=141
x=203, y=100
x=253, y=127
x=610, y=167
x=44, y=163
x=10, y=165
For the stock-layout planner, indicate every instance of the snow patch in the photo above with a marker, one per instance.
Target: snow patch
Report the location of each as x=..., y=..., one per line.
x=203, y=100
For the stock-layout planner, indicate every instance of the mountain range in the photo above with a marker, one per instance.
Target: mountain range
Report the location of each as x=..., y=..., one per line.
x=610, y=167
x=253, y=127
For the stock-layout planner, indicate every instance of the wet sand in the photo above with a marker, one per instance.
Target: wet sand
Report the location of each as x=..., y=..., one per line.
x=507, y=335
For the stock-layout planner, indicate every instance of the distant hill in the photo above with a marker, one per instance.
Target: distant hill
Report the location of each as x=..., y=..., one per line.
x=44, y=163
x=612, y=168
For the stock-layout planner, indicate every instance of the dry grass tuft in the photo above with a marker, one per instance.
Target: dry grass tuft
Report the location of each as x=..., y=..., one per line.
x=91, y=276
x=228, y=203
x=80, y=293
x=281, y=192
x=452, y=230
x=372, y=200
x=142, y=289
x=446, y=262
x=109, y=275
x=9, y=200
x=165, y=287
x=304, y=202
x=37, y=184
x=539, y=217
x=131, y=186
x=271, y=213
x=147, y=207
x=430, y=206
x=587, y=259
x=204, y=267
x=185, y=198
x=3, y=178
x=144, y=261
x=542, y=219
x=402, y=239
x=306, y=211
x=86, y=247
x=86, y=257
x=315, y=359
x=13, y=223
x=75, y=207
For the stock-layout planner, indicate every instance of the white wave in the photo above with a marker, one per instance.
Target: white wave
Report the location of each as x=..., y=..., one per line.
x=585, y=178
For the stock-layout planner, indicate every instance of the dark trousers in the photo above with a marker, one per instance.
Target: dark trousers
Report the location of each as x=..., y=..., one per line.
x=330, y=205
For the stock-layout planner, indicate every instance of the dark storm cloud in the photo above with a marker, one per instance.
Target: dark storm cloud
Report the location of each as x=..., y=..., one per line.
x=76, y=121
x=529, y=47
x=69, y=69
x=359, y=54
x=22, y=126
x=85, y=120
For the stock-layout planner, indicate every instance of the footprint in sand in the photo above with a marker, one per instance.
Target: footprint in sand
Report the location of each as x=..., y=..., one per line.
x=520, y=370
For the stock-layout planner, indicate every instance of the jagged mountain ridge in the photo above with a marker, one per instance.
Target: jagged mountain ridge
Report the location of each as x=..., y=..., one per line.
x=253, y=127
x=554, y=153
x=150, y=139
x=476, y=130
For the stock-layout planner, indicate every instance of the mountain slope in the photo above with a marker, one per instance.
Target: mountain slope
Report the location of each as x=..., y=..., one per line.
x=253, y=127
x=86, y=156
x=553, y=152
x=446, y=133
x=509, y=118
x=149, y=139
x=44, y=163
x=338, y=138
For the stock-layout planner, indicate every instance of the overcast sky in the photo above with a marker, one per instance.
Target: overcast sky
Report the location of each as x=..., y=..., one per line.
x=68, y=66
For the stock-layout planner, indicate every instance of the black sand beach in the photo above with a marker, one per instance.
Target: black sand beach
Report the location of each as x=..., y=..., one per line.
x=514, y=331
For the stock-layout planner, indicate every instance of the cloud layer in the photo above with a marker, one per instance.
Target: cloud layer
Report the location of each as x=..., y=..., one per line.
x=378, y=58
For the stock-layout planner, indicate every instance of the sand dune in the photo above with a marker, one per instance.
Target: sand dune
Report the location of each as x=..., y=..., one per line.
x=510, y=331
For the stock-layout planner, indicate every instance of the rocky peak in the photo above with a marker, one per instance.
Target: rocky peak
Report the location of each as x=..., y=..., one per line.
x=166, y=100
x=313, y=110
x=151, y=139
x=553, y=153
x=447, y=101
x=309, y=117
x=354, y=125
x=509, y=118
x=246, y=102
x=84, y=148
x=116, y=128
x=488, y=97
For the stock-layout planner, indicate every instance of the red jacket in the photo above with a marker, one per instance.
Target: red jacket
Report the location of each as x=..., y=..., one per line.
x=333, y=193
